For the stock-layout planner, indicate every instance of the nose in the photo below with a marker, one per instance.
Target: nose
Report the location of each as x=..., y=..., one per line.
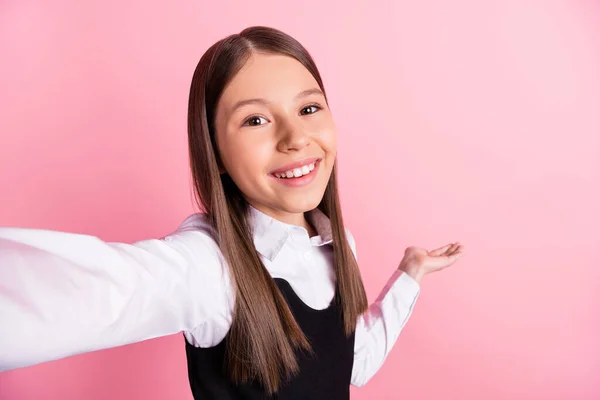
x=292, y=138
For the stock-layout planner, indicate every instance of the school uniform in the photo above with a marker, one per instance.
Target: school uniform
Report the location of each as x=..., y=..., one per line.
x=64, y=293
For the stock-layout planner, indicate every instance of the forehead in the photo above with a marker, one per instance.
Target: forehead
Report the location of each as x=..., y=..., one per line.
x=273, y=77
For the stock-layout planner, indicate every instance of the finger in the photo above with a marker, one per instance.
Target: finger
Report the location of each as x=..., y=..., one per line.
x=455, y=248
x=458, y=253
x=446, y=250
x=445, y=260
x=440, y=251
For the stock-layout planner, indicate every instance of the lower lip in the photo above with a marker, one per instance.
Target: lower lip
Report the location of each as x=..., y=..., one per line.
x=301, y=180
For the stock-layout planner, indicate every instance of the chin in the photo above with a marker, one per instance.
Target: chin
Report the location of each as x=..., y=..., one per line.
x=302, y=204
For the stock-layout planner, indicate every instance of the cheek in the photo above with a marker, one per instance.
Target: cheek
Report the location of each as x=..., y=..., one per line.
x=245, y=155
x=328, y=139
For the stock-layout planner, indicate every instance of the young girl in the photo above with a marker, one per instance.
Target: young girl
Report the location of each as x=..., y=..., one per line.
x=264, y=284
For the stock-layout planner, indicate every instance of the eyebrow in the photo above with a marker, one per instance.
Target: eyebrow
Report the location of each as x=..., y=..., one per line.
x=300, y=95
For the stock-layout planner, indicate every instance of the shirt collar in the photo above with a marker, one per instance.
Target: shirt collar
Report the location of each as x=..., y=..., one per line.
x=269, y=234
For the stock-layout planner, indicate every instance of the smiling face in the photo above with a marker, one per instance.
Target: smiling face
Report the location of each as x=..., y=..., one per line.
x=276, y=137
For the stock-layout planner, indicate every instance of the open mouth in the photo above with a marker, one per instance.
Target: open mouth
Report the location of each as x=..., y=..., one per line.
x=297, y=172
x=300, y=174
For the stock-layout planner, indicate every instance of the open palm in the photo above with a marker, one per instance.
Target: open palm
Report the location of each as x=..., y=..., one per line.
x=418, y=262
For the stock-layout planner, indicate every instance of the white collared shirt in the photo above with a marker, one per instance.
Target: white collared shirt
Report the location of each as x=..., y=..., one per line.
x=63, y=293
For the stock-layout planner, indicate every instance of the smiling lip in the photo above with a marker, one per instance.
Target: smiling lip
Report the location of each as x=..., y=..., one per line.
x=300, y=181
x=297, y=164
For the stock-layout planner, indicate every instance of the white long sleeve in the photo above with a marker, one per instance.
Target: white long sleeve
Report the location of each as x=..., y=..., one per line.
x=63, y=294
x=378, y=329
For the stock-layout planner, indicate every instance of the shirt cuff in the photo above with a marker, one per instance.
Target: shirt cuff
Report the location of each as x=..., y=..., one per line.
x=402, y=286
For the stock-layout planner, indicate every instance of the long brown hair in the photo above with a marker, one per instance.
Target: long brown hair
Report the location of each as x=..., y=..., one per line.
x=264, y=335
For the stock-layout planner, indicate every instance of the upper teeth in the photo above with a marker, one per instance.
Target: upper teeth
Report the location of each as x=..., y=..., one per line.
x=296, y=172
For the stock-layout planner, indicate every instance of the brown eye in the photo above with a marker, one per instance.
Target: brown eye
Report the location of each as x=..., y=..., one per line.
x=309, y=110
x=255, y=121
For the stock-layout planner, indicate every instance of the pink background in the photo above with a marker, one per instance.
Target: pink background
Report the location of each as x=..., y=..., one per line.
x=465, y=120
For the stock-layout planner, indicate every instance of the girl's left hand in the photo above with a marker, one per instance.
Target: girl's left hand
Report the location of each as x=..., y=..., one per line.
x=418, y=262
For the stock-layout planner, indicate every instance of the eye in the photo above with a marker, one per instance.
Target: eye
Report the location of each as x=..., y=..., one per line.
x=255, y=120
x=311, y=109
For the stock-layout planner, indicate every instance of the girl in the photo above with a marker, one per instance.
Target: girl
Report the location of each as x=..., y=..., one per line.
x=264, y=284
